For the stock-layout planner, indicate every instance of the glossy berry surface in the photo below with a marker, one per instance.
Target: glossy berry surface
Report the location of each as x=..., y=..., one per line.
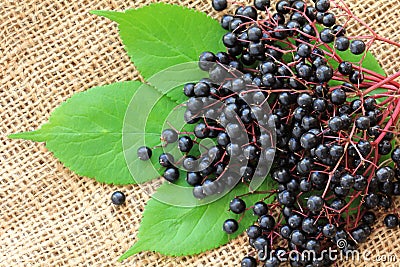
x=391, y=221
x=118, y=198
x=144, y=153
x=237, y=205
x=185, y=144
x=260, y=208
x=345, y=68
x=169, y=136
x=194, y=178
x=342, y=43
x=230, y=226
x=171, y=174
x=322, y=5
x=248, y=262
x=266, y=222
x=315, y=203
x=262, y=4
x=166, y=160
x=219, y=5
x=357, y=47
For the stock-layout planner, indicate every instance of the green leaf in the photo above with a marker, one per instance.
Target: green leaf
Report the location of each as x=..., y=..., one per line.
x=176, y=231
x=85, y=132
x=97, y=133
x=171, y=80
x=146, y=116
x=160, y=35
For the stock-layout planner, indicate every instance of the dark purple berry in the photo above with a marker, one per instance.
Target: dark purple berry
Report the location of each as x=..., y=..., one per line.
x=171, y=174
x=357, y=47
x=219, y=5
x=266, y=222
x=262, y=5
x=118, y=198
x=260, y=208
x=315, y=203
x=166, y=160
x=230, y=226
x=144, y=153
x=248, y=262
x=322, y=5
x=169, y=136
x=185, y=144
x=391, y=221
x=237, y=205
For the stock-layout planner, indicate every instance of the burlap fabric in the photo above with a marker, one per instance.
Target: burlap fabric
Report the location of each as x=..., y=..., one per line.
x=49, y=216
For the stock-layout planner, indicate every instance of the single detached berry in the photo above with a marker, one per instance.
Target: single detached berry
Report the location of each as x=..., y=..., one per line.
x=391, y=221
x=219, y=5
x=118, y=198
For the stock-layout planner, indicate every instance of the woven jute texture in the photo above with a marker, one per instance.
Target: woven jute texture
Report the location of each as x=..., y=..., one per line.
x=50, y=50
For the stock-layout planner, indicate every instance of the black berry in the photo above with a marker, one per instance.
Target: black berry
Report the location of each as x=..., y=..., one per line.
x=118, y=198
x=144, y=153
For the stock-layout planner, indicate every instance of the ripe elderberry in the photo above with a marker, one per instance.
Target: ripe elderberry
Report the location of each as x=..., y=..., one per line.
x=144, y=153
x=118, y=198
x=230, y=226
x=391, y=221
x=237, y=205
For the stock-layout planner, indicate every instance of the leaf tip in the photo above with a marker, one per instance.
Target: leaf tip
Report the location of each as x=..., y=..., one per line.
x=39, y=135
x=33, y=135
x=133, y=250
x=94, y=12
x=121, y=259
x=14, y=136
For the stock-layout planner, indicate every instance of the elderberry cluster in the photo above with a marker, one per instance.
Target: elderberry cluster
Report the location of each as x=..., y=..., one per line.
x=230, y=111
x=330, y=136
x=282, y=95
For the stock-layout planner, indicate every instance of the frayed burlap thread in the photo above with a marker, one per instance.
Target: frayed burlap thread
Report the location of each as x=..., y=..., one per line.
x=49, y=216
